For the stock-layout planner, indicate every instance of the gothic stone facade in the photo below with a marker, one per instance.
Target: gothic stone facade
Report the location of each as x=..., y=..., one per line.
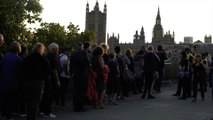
x=96, y=21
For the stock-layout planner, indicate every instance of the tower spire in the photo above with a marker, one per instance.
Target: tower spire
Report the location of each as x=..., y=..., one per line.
x=158, y=15
x=158, y=18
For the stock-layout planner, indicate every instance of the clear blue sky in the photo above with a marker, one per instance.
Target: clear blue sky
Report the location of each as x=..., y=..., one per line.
x=185, y=17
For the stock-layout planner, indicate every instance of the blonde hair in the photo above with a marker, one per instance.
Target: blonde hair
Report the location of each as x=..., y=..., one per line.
x=105, y=47
x=39, y=48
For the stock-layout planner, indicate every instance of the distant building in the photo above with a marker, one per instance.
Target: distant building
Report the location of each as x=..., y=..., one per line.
x=208, y=39
x=96, y=21
x=158, y=34
x=198, y=42
x=188, y=40
x=139, y=39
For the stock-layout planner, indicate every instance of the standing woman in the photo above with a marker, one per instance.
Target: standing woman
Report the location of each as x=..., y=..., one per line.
x=98, y=65
x=183, y=75
x=139, y=71
x=35, y=72
x=198, y=77
x=105, y=54
x=131, y=66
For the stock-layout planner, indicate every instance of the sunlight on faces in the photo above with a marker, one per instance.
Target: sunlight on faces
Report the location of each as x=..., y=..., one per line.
x=39, y=48
x=1, y=39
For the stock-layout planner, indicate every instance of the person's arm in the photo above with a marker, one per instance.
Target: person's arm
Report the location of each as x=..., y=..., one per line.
x=126, y=61
x=186, y=64
x=117, y=71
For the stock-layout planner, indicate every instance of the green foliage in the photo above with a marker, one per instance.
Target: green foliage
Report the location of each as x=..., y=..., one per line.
x=14, y=15
x=54, y=32
x=50, y=32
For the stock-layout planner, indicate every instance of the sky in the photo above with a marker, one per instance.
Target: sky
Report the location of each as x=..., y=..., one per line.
x=184, y=17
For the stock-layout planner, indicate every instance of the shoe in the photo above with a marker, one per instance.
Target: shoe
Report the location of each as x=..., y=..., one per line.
x=202, y=99
x=175, y=94
x=81, y=110
x=182, y=98
x=194, y=100
x=158, y=90
x=10, y=119
x=50, y=116
x=41, y=113
x=140, y=91
x=151, y=97
x=23, y=115
x=143, y=96
x=99, y=106
x=113, y=102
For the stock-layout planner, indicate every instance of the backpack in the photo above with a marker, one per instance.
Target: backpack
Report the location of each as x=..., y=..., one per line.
x=120, y=62
x=60, y=67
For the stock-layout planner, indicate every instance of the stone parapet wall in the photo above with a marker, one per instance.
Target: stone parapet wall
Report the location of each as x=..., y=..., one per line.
x=171, y=71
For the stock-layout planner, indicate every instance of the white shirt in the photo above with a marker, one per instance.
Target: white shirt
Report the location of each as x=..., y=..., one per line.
x=64, y=60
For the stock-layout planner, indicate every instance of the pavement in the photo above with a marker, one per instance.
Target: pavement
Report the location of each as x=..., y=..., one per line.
x=163, y=107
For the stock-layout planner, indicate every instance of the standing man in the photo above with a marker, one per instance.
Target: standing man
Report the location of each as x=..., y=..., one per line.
x=79, y=66
x=10, y=73
x=122, y=61
x=151, y=62
x=53, y=83
x=162, y=56
x=64, y=75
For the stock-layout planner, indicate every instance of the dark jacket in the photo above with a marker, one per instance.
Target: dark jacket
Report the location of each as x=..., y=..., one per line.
x=162, y=55
x=151, y=62
x=35, y=67
x=10, y=71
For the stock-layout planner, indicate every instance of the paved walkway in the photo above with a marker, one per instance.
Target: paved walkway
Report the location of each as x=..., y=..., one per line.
x=163, y=107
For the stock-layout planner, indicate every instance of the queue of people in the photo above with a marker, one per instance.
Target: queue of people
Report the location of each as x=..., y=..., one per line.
x=39, y=80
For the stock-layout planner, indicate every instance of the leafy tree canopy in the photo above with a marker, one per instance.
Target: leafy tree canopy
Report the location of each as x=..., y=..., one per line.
x=14, y=15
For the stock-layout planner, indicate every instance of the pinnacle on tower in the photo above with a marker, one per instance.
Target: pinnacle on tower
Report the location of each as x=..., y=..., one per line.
x=96, y=5
x=87, y=7
x=105, y=7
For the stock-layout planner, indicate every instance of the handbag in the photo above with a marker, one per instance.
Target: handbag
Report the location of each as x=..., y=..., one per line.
x=128, y=75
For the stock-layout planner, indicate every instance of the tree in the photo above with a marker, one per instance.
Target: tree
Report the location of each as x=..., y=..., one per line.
x=74, y=37
x=14, y=15
x=49, y=33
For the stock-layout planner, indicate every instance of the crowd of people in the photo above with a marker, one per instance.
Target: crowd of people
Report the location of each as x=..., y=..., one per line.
x=32, y=82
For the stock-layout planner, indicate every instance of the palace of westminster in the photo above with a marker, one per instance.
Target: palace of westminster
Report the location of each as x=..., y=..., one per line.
x=96, y=21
